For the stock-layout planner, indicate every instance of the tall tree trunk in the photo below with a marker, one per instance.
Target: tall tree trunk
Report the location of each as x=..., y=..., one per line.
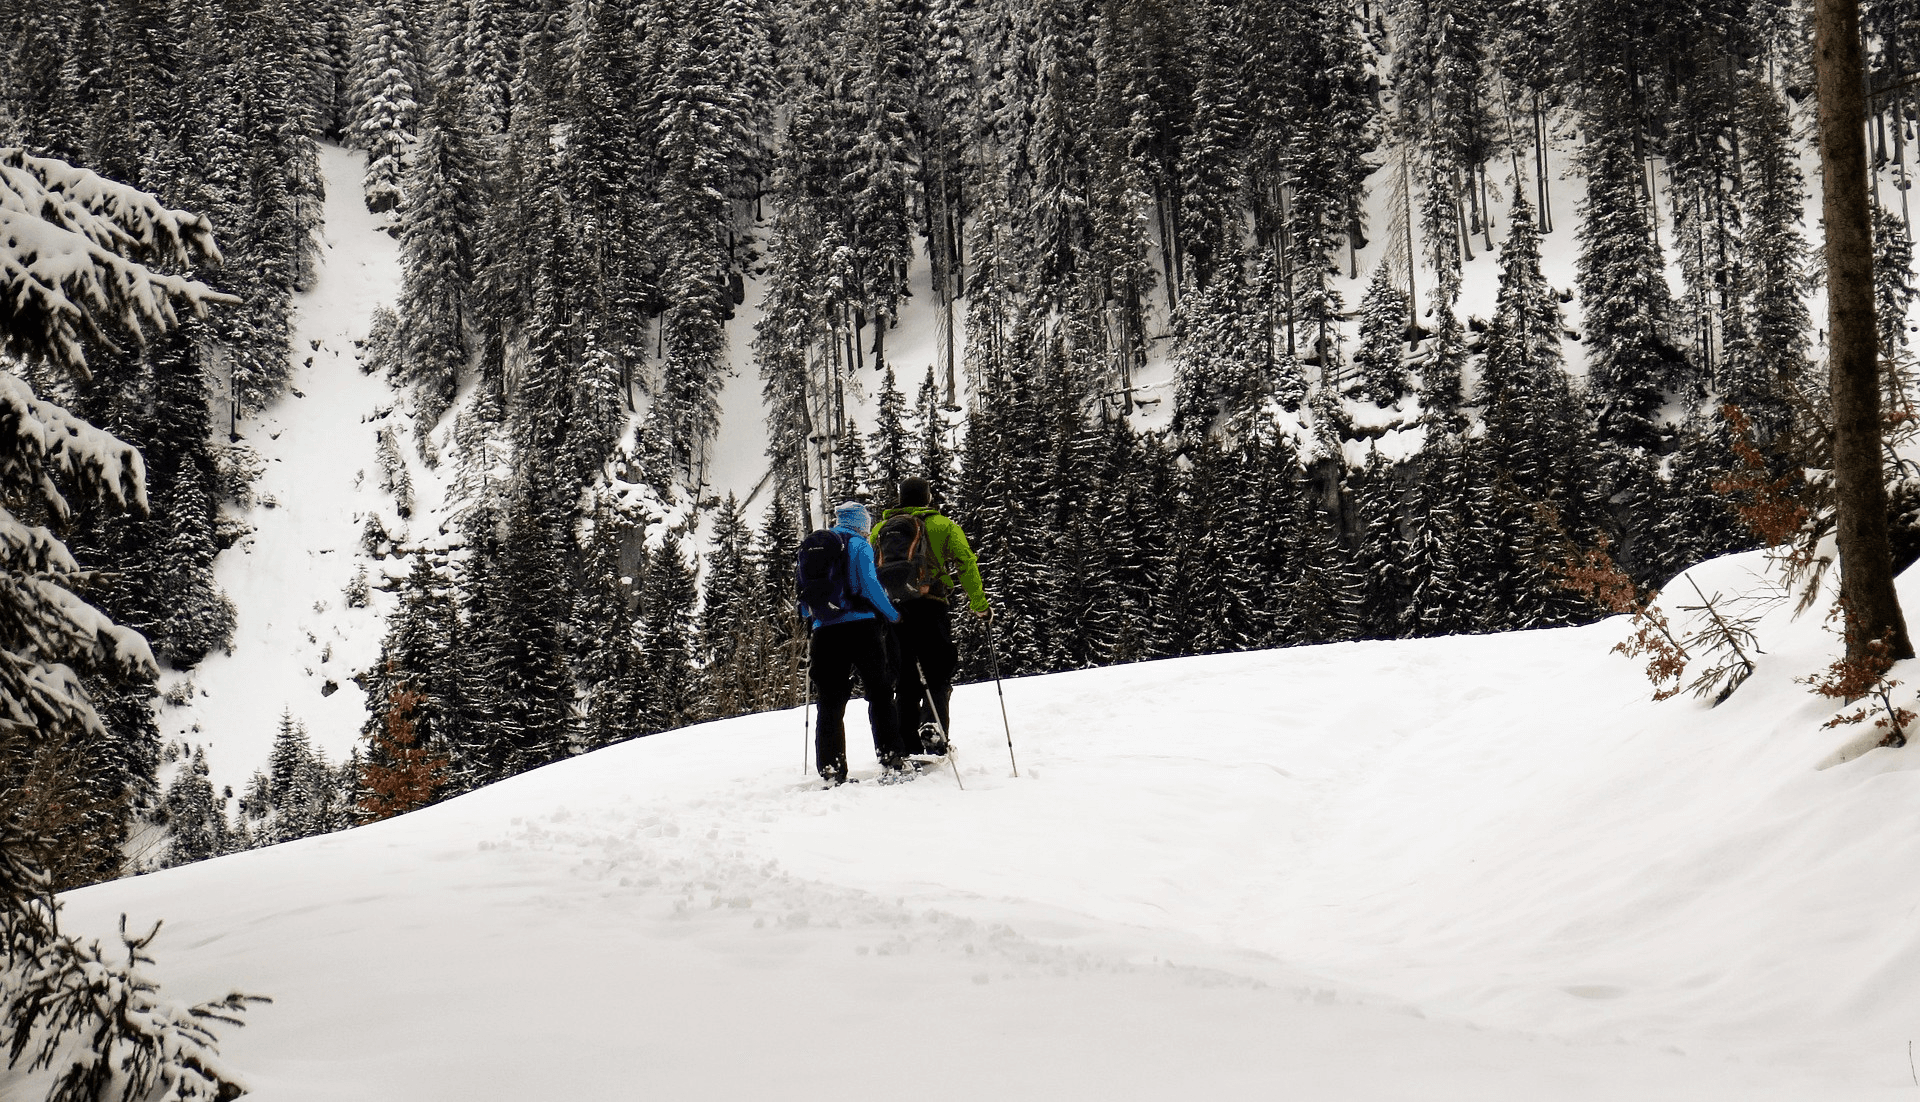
x=1540, y=164
x=940, y=249
x=1860, y=492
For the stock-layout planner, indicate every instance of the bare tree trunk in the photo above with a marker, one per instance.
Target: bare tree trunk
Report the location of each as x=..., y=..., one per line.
x=1860, y=492
x=1540, y=161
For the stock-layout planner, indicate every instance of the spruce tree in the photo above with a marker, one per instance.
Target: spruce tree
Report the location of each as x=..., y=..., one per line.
x=1894, y=293
x=1382, y=556
x=933, y=460
x=528, y=718
x=889, y=445
x=441, y=215
x=387, y=82
x=422, y=653
x=1528, y=400
x=1383, y=321
x=732, y=620
x=1437, y=602
x=196, y=819
x=702, y=123
x=1623, y=294
x=666, y=636
x=1767, y=355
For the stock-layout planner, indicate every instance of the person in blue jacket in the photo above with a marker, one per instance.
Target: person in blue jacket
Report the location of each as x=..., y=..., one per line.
x=849, y=642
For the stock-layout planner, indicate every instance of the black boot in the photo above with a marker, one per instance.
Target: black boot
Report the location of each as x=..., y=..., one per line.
x=932, y=740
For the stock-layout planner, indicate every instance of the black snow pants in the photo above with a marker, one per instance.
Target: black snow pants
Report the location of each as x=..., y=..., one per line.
x=925, y=635
x=840, y=651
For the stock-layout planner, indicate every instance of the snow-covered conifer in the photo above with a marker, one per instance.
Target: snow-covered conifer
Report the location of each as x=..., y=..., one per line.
x=1623, y=292
x=441, y=215
x=888, y=444
x=1383, y=323
x=387, y=82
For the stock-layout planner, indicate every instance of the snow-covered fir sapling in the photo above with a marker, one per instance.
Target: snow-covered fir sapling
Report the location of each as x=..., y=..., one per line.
x=380, y=351
x=394, y=478
x=374, y=538
x=357, y=592
x=100, y=1024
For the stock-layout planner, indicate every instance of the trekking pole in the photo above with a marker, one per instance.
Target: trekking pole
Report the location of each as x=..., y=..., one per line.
x=933, y=709
x=993, y=660
x=806, y=678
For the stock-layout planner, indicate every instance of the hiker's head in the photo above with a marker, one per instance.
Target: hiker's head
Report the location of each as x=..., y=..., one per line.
x=915, y=491
x=851, y=515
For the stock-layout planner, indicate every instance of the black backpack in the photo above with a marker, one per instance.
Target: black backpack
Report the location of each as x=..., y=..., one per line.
x=903, y=558
x=820, y=574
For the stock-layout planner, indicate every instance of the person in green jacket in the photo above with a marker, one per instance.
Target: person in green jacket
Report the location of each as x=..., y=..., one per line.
x=924, y=633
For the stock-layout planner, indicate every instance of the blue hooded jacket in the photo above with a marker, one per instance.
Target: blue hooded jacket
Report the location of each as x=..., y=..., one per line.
x=850, y=520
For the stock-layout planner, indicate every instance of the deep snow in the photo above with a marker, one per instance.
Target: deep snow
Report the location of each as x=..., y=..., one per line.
x=1475, y=868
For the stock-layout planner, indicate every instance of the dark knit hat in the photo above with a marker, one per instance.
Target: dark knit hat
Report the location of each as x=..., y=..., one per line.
x=915, y=491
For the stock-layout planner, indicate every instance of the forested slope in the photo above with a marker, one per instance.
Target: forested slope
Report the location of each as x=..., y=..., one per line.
x=1194, y=357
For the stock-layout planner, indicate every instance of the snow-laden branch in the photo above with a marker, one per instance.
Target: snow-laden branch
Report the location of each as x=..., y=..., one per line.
x=41, y=442
x=75, y=256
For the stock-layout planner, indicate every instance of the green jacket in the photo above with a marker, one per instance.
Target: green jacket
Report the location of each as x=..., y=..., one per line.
x=951, y=555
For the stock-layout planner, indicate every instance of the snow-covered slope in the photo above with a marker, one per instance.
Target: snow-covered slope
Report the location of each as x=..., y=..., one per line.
x=1473, y=868
x=297, y=642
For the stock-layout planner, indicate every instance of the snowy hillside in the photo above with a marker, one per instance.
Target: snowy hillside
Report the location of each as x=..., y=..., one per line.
x=1467, y=868
x=298, y=644
x=298, y=640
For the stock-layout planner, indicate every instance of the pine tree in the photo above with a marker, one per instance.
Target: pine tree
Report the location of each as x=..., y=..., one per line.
x=879, y=179
x=441, y=214
x=1766, y=358
x=519, y=597
x=1440, y=375
x=889, y=445
x=733, y=628
x=1528, y=401
x=1387, y=589
x=386, y=83
x=1208, y=183
x=1383, y=321
x=852, y=480
x=1229, y=595
x=1623, y=294
x=289, y=793
x=703, y=123
x=423, y=652
x=87, y=278
x=1894, y=293
x=196, y=822
x=932, y=459
x=1437, y=602
x=1438, y=70
x=665, y=634
x=1326, y=586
